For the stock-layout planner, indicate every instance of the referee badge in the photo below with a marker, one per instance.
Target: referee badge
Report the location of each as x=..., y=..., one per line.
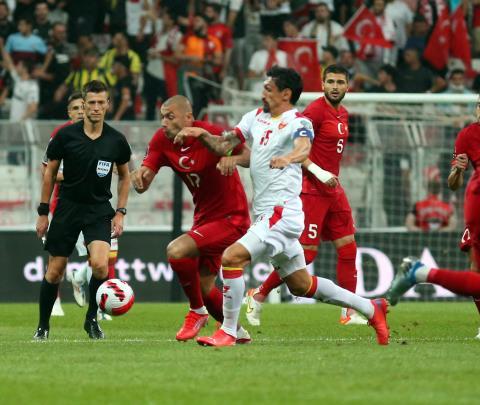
x=103, y=168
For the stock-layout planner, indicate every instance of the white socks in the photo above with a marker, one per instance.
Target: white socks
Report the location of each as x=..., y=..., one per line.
x=421, y=274
x=233, y=289
x=331, y=293
x=200, y=311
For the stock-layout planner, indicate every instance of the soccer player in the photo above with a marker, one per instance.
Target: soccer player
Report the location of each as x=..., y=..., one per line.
x=328, y=215
x=412, y=271
x=89, y=149
x=280, y=141
x=221, y=213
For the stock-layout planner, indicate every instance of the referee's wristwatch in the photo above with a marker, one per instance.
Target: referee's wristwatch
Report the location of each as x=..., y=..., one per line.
x=122, y=211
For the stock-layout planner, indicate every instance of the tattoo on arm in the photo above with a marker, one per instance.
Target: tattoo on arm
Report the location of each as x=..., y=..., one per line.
x=220, y=145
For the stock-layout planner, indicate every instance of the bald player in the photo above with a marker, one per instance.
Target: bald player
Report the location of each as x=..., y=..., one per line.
x=221, y=214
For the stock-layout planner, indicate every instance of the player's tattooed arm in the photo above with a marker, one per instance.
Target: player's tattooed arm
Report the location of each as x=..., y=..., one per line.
x=456, y=176
x=220, y=145
x=300, y=152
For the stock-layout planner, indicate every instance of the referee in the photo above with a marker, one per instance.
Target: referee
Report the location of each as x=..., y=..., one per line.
x=89, y=149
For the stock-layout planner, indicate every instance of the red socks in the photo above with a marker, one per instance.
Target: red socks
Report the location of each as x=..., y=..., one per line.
x=188, y=275
x=214, y=303
x=346, y=269
x=459, y=282
x=112, y=260
x=273, y=281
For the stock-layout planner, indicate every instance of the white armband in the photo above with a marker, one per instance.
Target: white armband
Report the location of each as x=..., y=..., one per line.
x=319, y=173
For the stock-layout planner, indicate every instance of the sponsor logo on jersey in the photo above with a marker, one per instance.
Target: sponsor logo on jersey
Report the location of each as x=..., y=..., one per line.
x=103, y=168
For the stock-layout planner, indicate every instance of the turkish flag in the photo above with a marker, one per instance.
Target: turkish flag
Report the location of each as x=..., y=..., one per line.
x=302, y=56
x=436, y=51
x=364, y=29
x=459, y=42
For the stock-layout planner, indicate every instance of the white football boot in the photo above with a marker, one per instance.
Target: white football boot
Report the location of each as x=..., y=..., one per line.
x=254, y=308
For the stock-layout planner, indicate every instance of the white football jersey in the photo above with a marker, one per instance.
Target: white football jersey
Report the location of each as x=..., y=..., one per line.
x=272, y=137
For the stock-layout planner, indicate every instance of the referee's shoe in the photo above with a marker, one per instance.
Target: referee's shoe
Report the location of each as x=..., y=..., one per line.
x=93, y=329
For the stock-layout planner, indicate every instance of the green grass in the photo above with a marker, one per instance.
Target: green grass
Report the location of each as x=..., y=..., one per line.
x=300, y=354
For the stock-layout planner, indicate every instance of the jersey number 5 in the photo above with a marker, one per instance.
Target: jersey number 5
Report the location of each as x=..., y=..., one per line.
x=265, y=137
x=340, y=145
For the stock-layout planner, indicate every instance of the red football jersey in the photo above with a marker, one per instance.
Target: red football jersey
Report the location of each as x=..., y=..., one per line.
x=432, y=213
x=331, y=134
x=214, y=195
x=223, y=33
x=468, y=141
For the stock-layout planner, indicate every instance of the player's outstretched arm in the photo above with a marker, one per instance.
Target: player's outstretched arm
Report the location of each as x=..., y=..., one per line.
x=323, y=175
x=228, y=164
x=220, y=145
x=142, y=178
x=456, y=176
x=300, y=152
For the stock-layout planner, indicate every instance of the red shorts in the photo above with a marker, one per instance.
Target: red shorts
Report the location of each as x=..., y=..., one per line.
x=326, y=218
x=212, y=238
x=466, y=241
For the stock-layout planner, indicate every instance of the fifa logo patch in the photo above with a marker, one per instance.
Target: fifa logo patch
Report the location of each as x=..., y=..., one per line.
x=103, y=168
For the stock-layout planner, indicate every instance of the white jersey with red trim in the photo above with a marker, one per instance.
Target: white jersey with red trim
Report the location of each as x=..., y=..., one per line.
x=273, y=137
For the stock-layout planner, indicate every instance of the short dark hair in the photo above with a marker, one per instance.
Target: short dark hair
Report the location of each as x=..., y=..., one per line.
x=95, y=86
x=389, y=70
x=216, y=7
x=456, y=71
x=339, y=69
x=287, y=78
x=76, y=95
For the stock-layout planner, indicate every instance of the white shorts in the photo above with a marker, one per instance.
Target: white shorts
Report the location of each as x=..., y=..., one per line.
x=275, y=234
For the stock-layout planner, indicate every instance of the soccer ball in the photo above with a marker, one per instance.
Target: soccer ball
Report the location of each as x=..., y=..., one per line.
x=115, y=297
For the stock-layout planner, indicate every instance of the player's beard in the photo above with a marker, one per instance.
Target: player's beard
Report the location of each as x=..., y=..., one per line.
x=266, y=107
x=335, y=102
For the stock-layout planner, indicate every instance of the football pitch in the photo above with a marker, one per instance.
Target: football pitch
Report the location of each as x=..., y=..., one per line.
x=300, y=354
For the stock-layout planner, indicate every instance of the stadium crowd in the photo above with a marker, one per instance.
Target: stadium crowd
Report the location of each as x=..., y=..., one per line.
x=148, y=50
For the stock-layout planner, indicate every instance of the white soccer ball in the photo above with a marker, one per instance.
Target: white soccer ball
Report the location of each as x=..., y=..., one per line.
x=115, y=297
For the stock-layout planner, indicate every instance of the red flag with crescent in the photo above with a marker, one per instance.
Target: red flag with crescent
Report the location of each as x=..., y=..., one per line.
x=364, y=29
x=436, y=51
x=302, y=56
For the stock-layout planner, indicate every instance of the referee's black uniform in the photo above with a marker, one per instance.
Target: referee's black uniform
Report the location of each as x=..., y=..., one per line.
x=83, y=204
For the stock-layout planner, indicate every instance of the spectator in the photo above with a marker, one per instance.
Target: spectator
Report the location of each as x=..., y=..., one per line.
x=24, y=9
x=121, y=48
x=350, y=62
x=199, y=54
x=476, y=28
x=88, y=71
x=165, y=42
x=54, y=71
x=419, y=35
x=456, y=83
x=290, y=29
x=222, y=32
x=386, y=80
x=6, y=26
x=414, y=77
x=83, y=17
x=431, y=214
x=26, y=93
x=263, y=59
x=24, y=44
x=42, y=25
x=376, y=56
x=57, y=12
x=330, y=55
x=123, y=93
x=117, y=16
x=139, y=26
x=326, y=31
x=272, y=15
x=402, y=17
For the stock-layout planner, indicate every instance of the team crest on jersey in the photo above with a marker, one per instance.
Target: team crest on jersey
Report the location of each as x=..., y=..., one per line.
x=103, y=168
x=282, y=125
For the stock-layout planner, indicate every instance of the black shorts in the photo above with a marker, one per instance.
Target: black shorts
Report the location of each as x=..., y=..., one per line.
x=70, y=218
